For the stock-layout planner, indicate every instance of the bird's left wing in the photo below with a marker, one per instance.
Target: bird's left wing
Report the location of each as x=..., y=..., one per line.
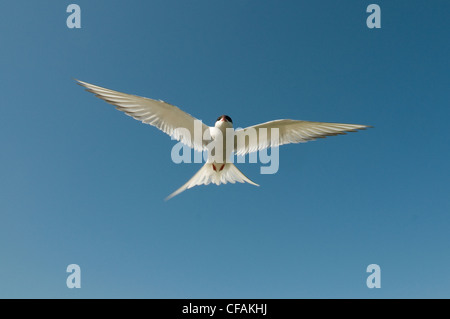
x=166, y=117
x=289, y=131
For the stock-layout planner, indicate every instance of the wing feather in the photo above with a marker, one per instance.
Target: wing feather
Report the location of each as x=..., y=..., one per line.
x=290, y=131
x=164, y=116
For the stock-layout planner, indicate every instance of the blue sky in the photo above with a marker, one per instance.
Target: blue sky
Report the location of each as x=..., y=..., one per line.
x=83, y=183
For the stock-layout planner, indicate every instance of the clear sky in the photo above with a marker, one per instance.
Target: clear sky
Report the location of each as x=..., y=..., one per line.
x=82, y=183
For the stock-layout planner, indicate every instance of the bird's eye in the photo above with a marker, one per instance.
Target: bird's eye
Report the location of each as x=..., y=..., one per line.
x=218, y=119
x=228, y=119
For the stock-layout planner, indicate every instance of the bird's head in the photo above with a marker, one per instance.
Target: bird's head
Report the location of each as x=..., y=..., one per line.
x=224, y=120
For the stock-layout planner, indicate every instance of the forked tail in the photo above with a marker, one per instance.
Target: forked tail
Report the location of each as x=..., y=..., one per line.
x=216, y=174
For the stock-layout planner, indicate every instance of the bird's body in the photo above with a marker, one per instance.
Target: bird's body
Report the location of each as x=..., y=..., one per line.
x=219, y=132
x=218, y=169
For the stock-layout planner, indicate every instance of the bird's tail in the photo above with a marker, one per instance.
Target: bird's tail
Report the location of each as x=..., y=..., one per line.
x=215, y=173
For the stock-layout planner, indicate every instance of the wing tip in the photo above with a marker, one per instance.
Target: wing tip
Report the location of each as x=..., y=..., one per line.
x=363, y=127
x=83, y=84
x=175, y=193
x=78, y=81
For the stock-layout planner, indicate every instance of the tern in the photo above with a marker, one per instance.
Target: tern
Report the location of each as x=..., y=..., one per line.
x=169, y=119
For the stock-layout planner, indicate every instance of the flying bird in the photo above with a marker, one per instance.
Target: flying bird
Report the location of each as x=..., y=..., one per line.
x=169, y=119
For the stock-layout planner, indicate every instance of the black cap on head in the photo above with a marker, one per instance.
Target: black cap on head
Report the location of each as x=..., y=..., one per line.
x=225, y=117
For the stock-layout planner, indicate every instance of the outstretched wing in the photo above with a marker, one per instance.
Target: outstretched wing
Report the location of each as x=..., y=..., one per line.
x=290, y=131
x=166, y=117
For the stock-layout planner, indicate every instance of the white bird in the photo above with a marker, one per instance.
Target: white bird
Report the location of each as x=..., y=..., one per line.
x=169, y=119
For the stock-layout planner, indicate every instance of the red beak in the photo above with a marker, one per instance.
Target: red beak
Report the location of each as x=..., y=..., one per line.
x=223, y=118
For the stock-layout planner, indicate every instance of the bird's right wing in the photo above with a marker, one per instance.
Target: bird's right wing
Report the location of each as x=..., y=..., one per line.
x=166, y=117
x=289, y=131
